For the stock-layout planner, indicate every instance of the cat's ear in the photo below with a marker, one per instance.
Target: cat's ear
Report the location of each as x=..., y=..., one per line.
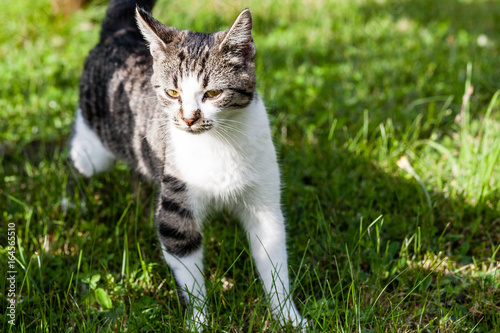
x=156, y=34
x=239, y=37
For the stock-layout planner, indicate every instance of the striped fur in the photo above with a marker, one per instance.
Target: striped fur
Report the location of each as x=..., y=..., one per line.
x=145, y=98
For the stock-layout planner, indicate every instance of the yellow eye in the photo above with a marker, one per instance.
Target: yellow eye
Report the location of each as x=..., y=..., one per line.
x=172, y=93
x=213, y=93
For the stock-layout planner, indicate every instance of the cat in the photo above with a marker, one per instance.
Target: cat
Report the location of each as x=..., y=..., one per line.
x=181, y=108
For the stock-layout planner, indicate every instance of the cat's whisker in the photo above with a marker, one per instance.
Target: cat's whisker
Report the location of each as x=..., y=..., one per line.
x=228, y=122
x=232, y=129
x=225, y=134
x=233, y=144
x=230, y=137
x=223, y=138
x=233, y=121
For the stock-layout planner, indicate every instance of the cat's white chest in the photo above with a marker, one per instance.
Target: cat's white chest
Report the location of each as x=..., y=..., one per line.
x=212, y=165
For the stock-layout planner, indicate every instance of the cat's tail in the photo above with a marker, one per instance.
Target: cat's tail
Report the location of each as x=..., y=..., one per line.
x=121, y=15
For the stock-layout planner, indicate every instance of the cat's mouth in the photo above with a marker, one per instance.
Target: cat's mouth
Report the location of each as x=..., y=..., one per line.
x=194, y=126
x=194, y=130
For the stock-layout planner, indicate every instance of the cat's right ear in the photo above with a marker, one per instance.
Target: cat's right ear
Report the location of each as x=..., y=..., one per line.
x=156, y=34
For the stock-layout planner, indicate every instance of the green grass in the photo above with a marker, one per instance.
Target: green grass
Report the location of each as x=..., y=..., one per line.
x=351, y=87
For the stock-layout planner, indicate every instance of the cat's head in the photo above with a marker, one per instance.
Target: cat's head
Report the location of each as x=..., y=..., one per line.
x=201, y=78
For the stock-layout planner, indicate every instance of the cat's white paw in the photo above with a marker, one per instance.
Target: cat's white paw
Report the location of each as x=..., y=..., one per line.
x=197, y=322
x=293, y=316
x=301, y=324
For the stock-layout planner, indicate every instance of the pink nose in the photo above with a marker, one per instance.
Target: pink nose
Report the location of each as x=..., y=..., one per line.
x=190, y=121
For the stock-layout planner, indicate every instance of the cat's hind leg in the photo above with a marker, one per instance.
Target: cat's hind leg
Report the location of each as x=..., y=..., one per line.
x=87, y=153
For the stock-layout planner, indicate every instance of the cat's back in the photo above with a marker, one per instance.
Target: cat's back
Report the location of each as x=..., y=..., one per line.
x=118, y=67
x=120, y=61
x=115, y=87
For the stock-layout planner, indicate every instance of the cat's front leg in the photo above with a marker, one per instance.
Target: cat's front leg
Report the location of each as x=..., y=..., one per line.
x=266, y=232
x=181, y=242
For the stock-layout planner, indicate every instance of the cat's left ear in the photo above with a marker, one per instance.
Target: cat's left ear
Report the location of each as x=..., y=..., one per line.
x=156, y=34
x=239, y=38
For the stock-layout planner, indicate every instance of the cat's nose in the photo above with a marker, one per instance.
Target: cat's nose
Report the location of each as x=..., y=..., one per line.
x=195, y=115
x=190, y=121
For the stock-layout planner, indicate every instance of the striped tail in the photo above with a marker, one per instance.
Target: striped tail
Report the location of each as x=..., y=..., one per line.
x=121, y=15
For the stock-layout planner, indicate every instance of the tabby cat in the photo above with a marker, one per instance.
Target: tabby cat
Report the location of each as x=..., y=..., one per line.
x=181, y=108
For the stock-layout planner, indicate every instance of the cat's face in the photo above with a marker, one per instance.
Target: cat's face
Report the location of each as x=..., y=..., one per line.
x=201, y=79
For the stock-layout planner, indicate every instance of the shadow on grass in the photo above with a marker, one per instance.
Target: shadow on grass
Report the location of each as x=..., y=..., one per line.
x=343, y=188
x=409, y=252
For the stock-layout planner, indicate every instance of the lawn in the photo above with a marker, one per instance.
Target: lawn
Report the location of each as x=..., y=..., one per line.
x=386, y=118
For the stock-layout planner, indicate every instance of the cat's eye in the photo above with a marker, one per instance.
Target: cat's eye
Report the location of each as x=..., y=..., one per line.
x=213, y=93
x=172, y=93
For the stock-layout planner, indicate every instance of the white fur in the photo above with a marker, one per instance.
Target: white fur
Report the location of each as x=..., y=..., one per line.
x=192, y=97
x=268, y=243
x=236, y=154
x=234, y=166
x=87, y=151
x=188, y=272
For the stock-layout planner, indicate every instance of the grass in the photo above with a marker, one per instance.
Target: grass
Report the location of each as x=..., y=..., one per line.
x=392, y=183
